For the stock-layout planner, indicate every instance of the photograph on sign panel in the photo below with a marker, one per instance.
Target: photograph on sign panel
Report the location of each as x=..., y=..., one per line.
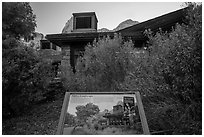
x=102, y=114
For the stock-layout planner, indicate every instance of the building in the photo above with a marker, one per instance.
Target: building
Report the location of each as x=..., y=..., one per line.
x=51, y=53
x=85, y=31
x=121, y=115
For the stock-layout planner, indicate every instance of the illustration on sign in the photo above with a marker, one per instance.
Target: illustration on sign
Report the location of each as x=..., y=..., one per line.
x=100, y=114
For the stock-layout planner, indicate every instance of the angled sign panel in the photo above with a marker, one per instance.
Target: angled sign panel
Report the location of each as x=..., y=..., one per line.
x=106, y=113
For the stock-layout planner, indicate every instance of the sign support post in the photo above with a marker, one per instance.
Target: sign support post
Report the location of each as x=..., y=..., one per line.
x=62, y=115
x=142, y=114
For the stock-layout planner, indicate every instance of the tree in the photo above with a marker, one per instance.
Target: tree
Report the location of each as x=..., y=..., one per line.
x=83, y=112
x=25, y=77
x=25, y=74
x=70, y=119
x=17, y=19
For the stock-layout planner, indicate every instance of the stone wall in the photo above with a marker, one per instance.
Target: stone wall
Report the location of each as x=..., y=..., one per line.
x=65, y=63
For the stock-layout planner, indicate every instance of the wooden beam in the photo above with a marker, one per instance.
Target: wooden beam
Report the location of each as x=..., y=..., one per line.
x=142, y=114
x=60, y=127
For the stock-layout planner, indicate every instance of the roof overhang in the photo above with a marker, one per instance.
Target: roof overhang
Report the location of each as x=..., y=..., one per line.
x=135, y=32
x=70, y=38
x=164, y=22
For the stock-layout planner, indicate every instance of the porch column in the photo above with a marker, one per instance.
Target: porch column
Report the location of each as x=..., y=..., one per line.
x=65, y=63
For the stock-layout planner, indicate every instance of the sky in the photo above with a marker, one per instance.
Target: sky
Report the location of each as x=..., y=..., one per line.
x=51, y=17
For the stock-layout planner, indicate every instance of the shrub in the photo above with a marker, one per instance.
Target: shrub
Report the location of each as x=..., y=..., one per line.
x=103, y=66
x=177, y=56
x=24, y=77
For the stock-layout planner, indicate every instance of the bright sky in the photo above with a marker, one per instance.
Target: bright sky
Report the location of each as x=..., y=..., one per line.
x=52, y=16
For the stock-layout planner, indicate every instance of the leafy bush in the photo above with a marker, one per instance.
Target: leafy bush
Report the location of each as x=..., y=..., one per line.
x=104, y=65
x=25, y=77
x=177, y=57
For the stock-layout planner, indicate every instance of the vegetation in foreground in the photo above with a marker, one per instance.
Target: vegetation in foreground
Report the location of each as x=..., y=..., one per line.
x=41, y=119
x=29, y=102
x=106, y=131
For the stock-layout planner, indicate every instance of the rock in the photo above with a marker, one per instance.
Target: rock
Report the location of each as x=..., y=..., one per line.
x=125, y=24
x=103, y=30
x=68, y=28
x=38, y=36
x=122, y=25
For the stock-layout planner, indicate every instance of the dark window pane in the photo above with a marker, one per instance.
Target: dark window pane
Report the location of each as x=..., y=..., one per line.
x=83, y=22
x=45, y=45
x=54, y=46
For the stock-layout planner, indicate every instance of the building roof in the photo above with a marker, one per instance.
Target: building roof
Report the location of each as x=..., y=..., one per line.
x=164, y=21
x=85, y=14
x=64, y=39
x=135, y=32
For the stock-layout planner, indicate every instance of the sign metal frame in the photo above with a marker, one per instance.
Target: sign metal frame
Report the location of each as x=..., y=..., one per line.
x=65, y=105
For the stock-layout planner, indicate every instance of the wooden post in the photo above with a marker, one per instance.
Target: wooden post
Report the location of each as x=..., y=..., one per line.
x=142, y=114
x=60, y=127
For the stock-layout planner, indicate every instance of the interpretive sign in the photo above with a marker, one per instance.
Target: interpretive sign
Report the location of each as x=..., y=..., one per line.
x=106, y=113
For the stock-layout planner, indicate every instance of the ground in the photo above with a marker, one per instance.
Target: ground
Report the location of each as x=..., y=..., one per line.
x=106, y=131
x=41, y=120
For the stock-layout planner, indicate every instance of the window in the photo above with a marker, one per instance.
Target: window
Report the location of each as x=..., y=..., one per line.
x=45, y=45
x=83, y=22
x=54, y=46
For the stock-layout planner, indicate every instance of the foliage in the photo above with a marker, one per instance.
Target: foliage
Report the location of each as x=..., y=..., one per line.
x=25, y=77
x=177, y=60
x=83, y=112
x=70, y=119
x=103, y=66
x=42, y=119
x=17, y=19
